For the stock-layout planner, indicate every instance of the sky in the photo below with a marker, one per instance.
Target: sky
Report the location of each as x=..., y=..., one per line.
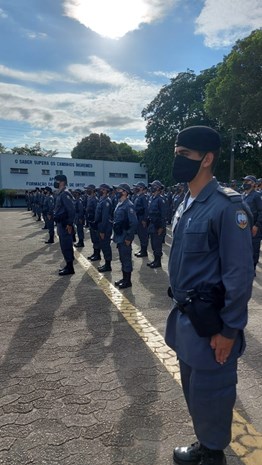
x=69, y=68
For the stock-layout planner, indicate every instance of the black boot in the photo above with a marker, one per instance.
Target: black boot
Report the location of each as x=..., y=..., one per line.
x=95, y=256
x=212, y=457
x=141, y=253
x=120, y=281
x=80, y=244
x=156, y=263
x=150, y=263
x=126, y=281
x=69, y=269
x=105, y=267
x=50, y=240
x=188, y=455
x=197, y=454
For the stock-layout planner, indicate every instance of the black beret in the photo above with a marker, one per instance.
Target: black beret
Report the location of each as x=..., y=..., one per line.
x=61, y=178
x=201, y=138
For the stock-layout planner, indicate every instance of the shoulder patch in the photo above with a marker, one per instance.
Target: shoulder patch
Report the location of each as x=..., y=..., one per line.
x=241, y=219
x=232, y=195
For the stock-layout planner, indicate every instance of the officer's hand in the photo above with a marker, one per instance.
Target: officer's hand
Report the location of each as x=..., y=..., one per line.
x=127, y=243
x=144, y=224
x=222, y=347
x=49, y=217
x=80, y=221
x=102, y=236
x=69, y=229
x=159, y=231
x=254, y=230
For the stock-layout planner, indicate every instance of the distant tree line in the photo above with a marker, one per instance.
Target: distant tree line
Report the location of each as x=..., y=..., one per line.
x=35, y=150
x=100, y=147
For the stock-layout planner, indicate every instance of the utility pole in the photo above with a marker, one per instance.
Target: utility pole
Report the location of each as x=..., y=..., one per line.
x=232, y=155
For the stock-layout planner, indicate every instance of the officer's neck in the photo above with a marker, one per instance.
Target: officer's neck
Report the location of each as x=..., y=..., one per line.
x=199, y=182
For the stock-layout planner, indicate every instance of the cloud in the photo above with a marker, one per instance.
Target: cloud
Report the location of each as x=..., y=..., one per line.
x=35, y=35
x=3, y=14
x=225, y=21
x=165, y=74
x=115, y=18
x=42, y=77
x=97, y=72
x=115, y=105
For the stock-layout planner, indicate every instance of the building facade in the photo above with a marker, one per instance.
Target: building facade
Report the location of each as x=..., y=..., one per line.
x=27, y=172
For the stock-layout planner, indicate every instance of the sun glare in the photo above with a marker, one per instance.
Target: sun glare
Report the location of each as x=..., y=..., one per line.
x=112, y=18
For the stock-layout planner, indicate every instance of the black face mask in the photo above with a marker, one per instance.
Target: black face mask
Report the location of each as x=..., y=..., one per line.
x=246, y=186
x=56, y=185
x=185, y=169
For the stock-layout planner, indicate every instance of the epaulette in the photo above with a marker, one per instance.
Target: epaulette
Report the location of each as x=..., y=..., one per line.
x=230, y=193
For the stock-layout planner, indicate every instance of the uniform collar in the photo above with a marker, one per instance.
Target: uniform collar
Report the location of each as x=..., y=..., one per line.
x=208, y=190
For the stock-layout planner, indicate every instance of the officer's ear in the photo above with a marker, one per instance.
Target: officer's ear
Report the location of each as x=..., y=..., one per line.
x=208, y=160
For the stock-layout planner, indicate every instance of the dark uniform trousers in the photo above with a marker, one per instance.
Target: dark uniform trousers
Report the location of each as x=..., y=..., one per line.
x=94, y=238
x=256, y=242
x=105, y=245
x=142, y=234
x=50, y=226
x=125, y=255
x=210, y=402
x=157, y=242
x=66, y=243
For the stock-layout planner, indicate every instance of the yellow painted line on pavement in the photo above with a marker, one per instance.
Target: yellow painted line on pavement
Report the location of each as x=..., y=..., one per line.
x=246, y=441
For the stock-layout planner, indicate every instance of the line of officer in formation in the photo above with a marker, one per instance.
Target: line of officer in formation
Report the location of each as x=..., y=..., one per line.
x=112, y=214
x=95, y=208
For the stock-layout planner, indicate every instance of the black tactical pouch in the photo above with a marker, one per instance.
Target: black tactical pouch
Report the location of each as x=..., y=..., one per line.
x=204, y=316
x=118, y=228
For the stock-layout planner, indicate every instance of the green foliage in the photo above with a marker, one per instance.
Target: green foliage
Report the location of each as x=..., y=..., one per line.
x=35, y=150
x=227, y=97
x=2, y=197
x=234, y=96
x=100, y=147
x=3, y=149
x=177, y=105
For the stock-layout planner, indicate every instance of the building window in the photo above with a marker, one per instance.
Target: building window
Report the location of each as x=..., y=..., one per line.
x=58, y=172
x=46, y=172
x=19, y=170
x=140, y=176
x=118, y=175
x=84, y=173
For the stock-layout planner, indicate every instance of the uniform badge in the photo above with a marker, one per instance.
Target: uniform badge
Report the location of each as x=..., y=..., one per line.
x=241, y=219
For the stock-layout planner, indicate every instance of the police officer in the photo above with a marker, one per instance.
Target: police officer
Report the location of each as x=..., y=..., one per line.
x=64, y=217
x=79, y=218
x=210, y=292
x=141, y=209
x=50, y=215
x=157, y=222
x=124, y=226
x=103, y=221
x=91, y=204
x=254, y=201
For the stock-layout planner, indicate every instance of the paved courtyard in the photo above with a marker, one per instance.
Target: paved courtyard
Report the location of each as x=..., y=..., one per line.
x=86, y=378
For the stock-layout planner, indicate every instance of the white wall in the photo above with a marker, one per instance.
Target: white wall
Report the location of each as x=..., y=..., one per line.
x=34, y=176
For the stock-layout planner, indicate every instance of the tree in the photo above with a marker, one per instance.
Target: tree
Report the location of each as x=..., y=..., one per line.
x=3, y=149
x=100, y=147
x=35, y=150
x=177, y=105
x=234, y=96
